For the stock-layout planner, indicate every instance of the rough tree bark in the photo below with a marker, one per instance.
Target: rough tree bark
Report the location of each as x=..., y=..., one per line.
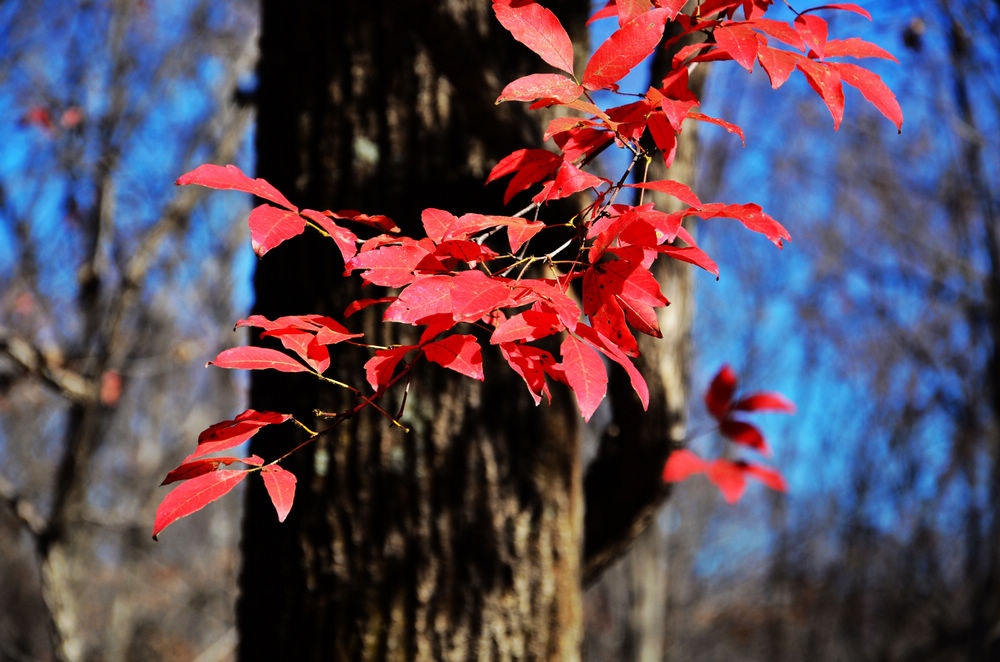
x=462, y=539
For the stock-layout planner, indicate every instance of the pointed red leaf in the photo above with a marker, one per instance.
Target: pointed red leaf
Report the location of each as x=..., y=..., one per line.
x=746, y=434
x=537, y=28
x=257, y=358
x=531, y=363
x=720, y=392
x=459, y=352
x=541, y=86
x=229, y=434
x=361, y=304
x=740, y=42
x=873, y=89
x=280, y=485
x=769, y=477
x=854, y=47
x=814, y=31
x=765, y=402
x=193, y=495
x=778, y=64
x=585, y=374
x=683, y=464
x=845, y=6
x=231, y=177
x=613, y=352
x=380, y=368
x=527, y=326
x=570, y=180
x=692, y=255
x=426, y=296
x=270, y=226
x=187, y=470
x=825, y=79
x=377, y=221
x=474, y=294
x=680, y=191
x=729, y=477
x=624, y=49
x=392, y=266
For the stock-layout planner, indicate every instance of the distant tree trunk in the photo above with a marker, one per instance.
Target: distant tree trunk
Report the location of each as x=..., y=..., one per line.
x=461, y=539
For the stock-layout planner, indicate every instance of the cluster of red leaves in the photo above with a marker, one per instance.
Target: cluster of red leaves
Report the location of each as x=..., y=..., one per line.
x=465, y=287
x=730, y=475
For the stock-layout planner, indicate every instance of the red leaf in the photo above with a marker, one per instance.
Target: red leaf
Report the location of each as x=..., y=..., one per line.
x=855, y=47
x=227, y=434
x=740, y=42
x=378, y=221
x=527, y=326
x=720, y=392
x=530, y=165
x=426, y=296
x=765, y=402
x=750, y=215
x=680, y=191
x=270, y=226
x=769, y=477
x=585, y=374
x=692, y=255
x=683, y=464
x=729, y=477
x=459, y=352
x=379, y=369
x=613, y=352
x=391, y=266
x=305, y=345
x=257, y=358
x=825, y=79
x=629, y=9
x=231, y=177
x=778, y=64
x=554, y=299
x=474, y=294
x=873, y=89
x=537, y=28
x=728, y=126
x=847, y=6
x=745, y=433
x=193, y=495
x=624, y=49
x=541, y=86
x=531, y=363
x=814, y=31
x=570, y=180
x=187, y=470
x=332, y=332
x=280, y=485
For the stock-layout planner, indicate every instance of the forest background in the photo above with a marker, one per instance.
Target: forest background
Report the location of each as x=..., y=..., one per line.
x=881, y=320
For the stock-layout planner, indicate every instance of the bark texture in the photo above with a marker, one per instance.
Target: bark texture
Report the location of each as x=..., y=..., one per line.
x=461, y=539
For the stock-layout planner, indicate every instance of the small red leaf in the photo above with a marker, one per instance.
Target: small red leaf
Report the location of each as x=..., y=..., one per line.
x=527, y=326
x=345, y=239
x=570, y=180
x=187, y=470
x=729, y=478
x=720, y=392
x=854, y=47
x=537, y=28
x=379, y=369
x=257, y=358
x=280, y=485
x=270, y=226
x=873, y=89
x=765, y=401
x=193, y=495
x=814, y=31
x=845, y=6
x=740, y=42
x=825, y=79
x=624, y=49
x=680, y=191
x=459, y=352
x=746, y=434
x=683, y=464
x=541, y=86
x=231, y=177
x=585, y=374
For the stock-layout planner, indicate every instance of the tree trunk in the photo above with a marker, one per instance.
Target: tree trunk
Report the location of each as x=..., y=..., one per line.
x=461, y=539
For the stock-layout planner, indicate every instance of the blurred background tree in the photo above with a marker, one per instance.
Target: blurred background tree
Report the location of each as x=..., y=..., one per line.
x=115, y=286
